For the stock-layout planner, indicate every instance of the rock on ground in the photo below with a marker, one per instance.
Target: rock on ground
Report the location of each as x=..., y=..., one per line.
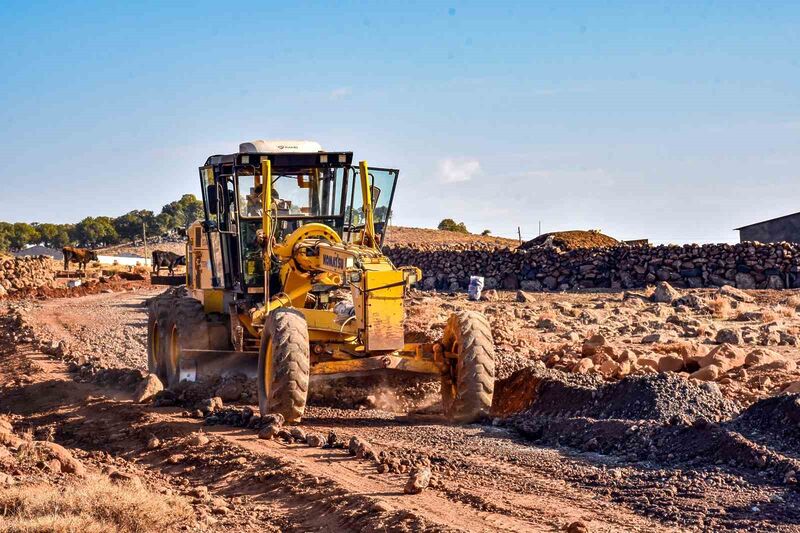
x=147, y=389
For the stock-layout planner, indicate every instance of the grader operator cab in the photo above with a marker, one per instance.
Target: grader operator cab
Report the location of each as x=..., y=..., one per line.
x=286, y=280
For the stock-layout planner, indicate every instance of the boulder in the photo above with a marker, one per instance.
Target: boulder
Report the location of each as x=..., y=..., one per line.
x=670, y=363
x=524, y=297
x=583, y=366
x=655, y=338
x=147, y=389
x=269, y=431
x=592, y=345
x=792, y=388
x=665, y=293
x=760, y=356
x=745, y=281
x=490, y=296
x=418, y=480
x=230, y=391
x=52, y=450
x=724, y=356
x=709, y=373
x=530, y=285
x=736, y=294
x=314, y=440
x=198, y=439
x=609, y=368
x=728, y=336
x=650, y=361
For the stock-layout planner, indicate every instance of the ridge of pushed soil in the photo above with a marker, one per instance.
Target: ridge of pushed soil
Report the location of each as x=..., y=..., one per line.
x=572, y=240
x=399, y=235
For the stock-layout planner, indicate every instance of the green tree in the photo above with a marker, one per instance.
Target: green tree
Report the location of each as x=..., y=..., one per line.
x=448, y=224
x=96, y=231
x=54, y=235
x=5, y=236
x=22, y=234
x=181, y=213
x=129, y=225
x=486, y=232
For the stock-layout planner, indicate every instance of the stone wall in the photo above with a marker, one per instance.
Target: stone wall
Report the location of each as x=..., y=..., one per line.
x=18, y=273
x=748, y=265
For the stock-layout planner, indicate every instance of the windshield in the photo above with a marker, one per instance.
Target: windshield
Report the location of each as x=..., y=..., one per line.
x=312, y=193
x=382, y=182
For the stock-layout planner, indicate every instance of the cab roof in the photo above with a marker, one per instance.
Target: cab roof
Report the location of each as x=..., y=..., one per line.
x=281, y=161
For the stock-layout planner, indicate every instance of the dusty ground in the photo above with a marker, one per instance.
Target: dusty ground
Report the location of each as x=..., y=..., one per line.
x=562, y=462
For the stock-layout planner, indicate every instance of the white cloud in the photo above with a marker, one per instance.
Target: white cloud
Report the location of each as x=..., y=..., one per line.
x=457, y=170
x=340, y=92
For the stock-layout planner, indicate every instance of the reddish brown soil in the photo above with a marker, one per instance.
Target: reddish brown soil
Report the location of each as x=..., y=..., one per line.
x=571, y=240
x=399, y=235
x=490, y=479
x=114, y=284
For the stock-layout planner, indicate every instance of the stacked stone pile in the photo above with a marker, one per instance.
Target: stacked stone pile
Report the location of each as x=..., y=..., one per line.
x=749, y=265
x=19, y=273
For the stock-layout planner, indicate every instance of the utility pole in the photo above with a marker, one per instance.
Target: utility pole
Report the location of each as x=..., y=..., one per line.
x=540, y=227
x=519, y=234
x=144, y=236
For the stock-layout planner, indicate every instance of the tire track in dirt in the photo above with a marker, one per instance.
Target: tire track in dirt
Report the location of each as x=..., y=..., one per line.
x=495, y=481
x=489, y=492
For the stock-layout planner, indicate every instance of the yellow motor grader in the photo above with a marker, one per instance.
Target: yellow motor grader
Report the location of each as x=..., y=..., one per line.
x=285, y=279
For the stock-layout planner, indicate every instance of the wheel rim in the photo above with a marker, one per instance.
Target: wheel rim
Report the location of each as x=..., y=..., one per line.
x=154, y=345
x=172, y=356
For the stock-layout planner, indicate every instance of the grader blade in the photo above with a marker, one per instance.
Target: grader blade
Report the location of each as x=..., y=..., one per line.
x=199, y=365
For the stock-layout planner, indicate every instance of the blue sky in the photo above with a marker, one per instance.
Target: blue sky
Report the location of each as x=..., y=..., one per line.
x=673, y=121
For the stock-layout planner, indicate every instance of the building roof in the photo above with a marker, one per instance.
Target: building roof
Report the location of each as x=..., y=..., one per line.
x=765, y=221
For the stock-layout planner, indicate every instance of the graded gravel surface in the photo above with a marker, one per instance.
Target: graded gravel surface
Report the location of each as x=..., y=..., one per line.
x=489, y=477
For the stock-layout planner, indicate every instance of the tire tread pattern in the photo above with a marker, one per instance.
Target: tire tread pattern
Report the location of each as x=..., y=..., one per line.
x=287, y=330
x=475, y=367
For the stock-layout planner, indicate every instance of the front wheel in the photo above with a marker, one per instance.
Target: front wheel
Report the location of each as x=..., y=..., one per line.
x=468, y=379
x=284, y=365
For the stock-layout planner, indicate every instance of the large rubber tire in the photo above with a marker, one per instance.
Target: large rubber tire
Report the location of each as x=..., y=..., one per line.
x=284, y=365
x=468, y=382
x=186, y=328
x=158, y=316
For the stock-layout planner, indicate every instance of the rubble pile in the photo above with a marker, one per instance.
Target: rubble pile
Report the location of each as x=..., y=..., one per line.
x=19, y=273
x=748, y=265
x=661, y=418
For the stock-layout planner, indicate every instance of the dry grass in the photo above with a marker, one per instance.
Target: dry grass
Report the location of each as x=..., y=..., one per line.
x=793, y=301
x=91, y=505
x=785, y=311
x=769, y=315
x=720, y=307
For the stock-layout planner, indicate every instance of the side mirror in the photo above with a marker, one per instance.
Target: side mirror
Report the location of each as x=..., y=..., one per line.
x=211, y=195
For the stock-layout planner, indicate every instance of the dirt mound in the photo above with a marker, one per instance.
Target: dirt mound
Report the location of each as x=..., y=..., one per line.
x=657, y=397
x=775, y=421
x=571, y=240
x=660, y=418
x=398, y=235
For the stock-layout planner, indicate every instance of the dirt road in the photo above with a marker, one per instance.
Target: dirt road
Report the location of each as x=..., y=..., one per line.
x=489, y=478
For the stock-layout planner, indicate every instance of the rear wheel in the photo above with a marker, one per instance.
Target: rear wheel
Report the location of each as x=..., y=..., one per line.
x=468, y=380
x=158, y=316
x=284, y=365
x=187, y=328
